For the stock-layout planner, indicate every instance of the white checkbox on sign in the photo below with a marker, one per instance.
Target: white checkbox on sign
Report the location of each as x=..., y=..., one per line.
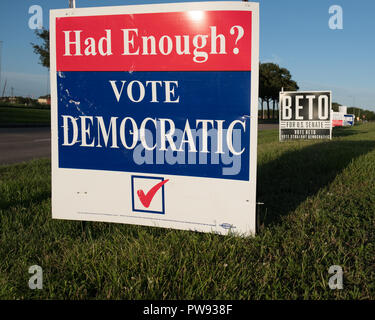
x=148, y=194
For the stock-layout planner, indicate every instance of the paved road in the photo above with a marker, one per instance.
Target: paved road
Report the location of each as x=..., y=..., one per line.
x=22, y=144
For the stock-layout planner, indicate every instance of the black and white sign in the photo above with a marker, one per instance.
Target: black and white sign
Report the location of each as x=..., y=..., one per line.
x=305, y=115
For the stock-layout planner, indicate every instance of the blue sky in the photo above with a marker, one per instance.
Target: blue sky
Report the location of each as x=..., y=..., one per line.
x=293, y=33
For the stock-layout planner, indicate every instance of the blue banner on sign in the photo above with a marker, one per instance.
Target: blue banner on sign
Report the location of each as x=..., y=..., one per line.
x=178, y=123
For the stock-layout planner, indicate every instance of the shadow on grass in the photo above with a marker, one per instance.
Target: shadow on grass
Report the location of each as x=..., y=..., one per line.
x=290, y=179
x=24, y=184
x=344, y=132
x=25, y=203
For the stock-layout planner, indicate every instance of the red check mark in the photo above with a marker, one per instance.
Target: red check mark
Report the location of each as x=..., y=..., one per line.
x=147, y=198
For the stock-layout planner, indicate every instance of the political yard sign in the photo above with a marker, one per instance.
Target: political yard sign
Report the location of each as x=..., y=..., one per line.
x=154, y=115
x=305, y=115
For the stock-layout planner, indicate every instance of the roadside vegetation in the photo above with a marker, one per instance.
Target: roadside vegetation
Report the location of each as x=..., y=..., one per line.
x=17, y=115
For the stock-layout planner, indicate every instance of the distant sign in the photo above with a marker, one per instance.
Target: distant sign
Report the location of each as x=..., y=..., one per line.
x=349, y=120
x=305, y=115
x=340, y=119
x=154, y=115
x=337, y=119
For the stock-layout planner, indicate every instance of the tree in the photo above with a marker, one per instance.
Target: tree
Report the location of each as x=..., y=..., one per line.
x=284, y=80
x=271, y=79
x=335, y=106
x=265, y=79
x=43, y=49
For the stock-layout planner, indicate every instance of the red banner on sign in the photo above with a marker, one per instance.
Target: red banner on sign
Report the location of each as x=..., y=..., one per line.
x=181, y=41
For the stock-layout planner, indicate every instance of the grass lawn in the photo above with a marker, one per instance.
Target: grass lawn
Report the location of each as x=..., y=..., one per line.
x=319, y=211
x=17, y=115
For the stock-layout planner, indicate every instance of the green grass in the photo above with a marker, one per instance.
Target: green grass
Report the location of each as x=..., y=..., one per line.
x=25, y=115
x=319, y=211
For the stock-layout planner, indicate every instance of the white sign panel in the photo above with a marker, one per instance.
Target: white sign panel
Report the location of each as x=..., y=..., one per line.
x=154, y=115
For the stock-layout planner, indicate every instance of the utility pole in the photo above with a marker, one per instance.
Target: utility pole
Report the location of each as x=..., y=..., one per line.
x=11, y=90
x=5, y=85
x=47, y=84
x=1, y=45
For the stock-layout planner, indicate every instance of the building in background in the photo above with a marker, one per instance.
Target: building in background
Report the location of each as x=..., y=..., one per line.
x=44, y=99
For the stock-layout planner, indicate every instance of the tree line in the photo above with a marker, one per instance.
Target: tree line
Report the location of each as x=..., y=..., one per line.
x=359, y=113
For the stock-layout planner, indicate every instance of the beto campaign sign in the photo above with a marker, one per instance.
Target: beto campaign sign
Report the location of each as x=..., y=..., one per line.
x=154, y=115
x=305, y=115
